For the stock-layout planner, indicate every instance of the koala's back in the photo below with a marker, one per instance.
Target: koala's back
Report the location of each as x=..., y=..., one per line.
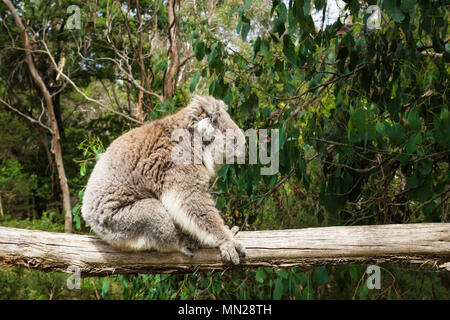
x=132, y=168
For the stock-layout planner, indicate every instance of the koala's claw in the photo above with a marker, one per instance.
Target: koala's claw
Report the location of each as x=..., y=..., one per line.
x=240, y=249
x=234, y=230
x=230, y=251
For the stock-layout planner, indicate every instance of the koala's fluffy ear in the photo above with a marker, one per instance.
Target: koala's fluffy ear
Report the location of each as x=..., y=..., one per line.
x=194, y=120
x=205, y=104
x=223, y=105
x=214, y=116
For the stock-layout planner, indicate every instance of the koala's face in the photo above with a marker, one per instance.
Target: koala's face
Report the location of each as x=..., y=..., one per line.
x=233, y=139
x=220, y=136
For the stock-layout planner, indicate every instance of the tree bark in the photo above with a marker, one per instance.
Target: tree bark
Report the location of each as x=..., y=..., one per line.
x=56, y=100
x=425, y=243
x=56, y=139
x=170, y=81
x=140, y=58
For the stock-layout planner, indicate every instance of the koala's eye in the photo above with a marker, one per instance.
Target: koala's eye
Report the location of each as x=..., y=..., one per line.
x=235, y=140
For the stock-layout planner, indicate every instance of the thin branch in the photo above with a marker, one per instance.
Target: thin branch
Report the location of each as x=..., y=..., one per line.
x=85, y=95
x=351, y=168
x=185, y=59
x=322, y=87
x=26, y=116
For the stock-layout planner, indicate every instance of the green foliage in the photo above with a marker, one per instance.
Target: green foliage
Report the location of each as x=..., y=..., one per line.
x=377, y=107
x=14, y=180
x=23, y=284
x=270, y=284
x=333, y=282
x=49, y=221
x=17, y=186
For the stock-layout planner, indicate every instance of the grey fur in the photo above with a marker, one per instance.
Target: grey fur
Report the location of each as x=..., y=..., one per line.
x=137, y=198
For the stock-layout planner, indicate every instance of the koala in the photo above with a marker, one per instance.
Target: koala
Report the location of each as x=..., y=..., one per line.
x=139, y=197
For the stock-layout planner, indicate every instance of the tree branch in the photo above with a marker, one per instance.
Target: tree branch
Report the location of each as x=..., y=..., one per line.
x=25, y=116
x=172, y=72
x=424, y=243
x=47, y=51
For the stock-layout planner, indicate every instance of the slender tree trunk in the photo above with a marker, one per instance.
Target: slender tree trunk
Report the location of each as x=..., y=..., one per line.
x=140, y=109
x=130, y=106
x=43, y=139
x=170, y=83
x=212, y=6
x=54, y=177
x=1, y=206
x=56, y=140
x=140, y=58
x=58, y=113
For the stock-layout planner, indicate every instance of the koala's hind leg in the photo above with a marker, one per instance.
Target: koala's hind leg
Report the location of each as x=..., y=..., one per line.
x=146, y=225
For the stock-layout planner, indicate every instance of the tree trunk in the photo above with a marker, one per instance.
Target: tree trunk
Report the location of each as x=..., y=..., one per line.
x=56, y=100
x=422, y=244
x=56, y=140
x=145, y=83
x=140, y=110
x=170, y=83
x=1, y=206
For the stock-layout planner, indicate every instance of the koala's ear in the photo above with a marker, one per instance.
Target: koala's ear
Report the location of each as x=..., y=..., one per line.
x=196, y=125
x=214, y=116
x=224, y=106
x=203, y=115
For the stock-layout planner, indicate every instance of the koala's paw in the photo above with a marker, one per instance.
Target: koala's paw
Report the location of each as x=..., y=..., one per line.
x=239, y=248
x=231, y=250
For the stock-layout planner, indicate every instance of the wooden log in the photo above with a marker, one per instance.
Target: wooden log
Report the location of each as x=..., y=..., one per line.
x=425, y=243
